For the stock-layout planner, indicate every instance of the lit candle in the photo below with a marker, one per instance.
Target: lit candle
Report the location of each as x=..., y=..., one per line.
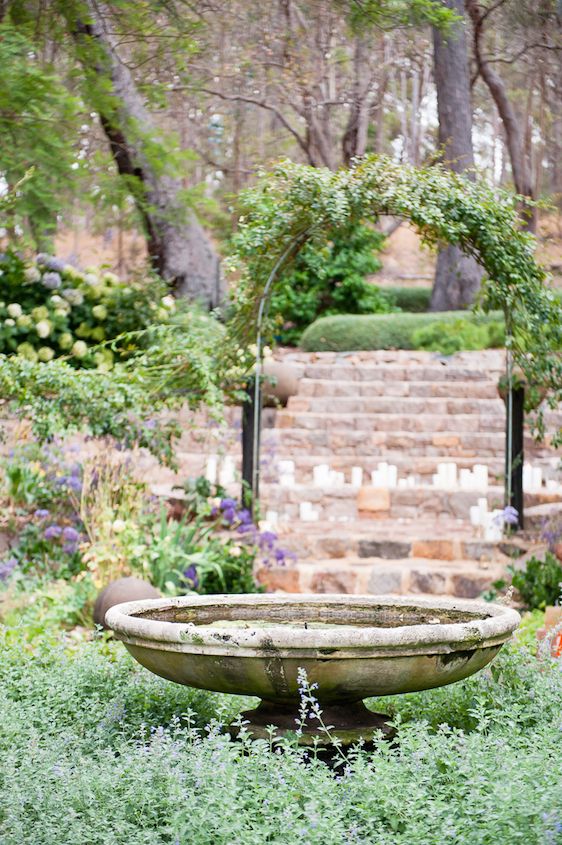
x=226, y=474
x=211, y=469
x=357, y=476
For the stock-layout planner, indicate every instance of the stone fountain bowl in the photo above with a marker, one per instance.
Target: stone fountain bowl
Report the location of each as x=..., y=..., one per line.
x=351, y=647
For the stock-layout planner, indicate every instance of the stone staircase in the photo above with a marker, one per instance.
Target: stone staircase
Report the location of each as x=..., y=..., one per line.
x=411, y=409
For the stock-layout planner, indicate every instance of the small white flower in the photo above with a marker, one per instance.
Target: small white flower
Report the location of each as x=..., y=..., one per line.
x=15, y=310
x=79, y=349
x=118, y=525
x=43, y=328
x=32, y=274
x=9, y=322
x=235, y=551
x=169, y=302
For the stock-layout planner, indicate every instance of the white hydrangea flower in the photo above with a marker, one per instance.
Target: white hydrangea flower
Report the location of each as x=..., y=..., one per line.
x=169, y=302
x=45, y=353
x=15, y=310
x=91, y=279
x=73, y=296
x=79, y=349
x=9, y=322
x=43, y=328
x=99, y=312
x=32, y=274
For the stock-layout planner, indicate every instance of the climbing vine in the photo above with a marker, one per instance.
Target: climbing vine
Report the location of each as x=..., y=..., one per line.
x=296, y=204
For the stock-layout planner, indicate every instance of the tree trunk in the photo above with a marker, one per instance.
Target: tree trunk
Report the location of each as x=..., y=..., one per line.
x=179, y=249
x=514, y=135
x=457, y=276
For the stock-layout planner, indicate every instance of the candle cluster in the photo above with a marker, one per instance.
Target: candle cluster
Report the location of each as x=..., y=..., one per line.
x=489, y=523
x=223, y=470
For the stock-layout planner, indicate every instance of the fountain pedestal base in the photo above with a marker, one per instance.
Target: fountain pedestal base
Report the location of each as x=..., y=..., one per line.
x=349, y=722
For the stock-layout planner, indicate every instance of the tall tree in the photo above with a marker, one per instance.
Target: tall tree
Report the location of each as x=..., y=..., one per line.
x=457, y=276
x=180, y=250
x=512, y=124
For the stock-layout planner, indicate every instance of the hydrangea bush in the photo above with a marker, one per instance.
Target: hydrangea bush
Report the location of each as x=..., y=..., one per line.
x=49, y=309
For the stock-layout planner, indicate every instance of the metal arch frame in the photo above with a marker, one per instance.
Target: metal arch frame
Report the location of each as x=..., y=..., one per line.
x=258, y=372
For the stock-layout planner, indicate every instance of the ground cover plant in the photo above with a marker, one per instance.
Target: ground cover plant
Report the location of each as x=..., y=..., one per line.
x=95, y=749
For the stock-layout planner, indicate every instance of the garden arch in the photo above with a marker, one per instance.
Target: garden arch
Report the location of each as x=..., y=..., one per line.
x=297, y=203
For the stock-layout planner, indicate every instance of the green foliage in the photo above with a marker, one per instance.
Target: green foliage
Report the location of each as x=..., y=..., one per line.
x=388, y=331
x=122, y=751
x=457, y=336
x=306, y=203
x=329, y=279
x=540, y=583
x=414, y=300
x=51, y=309
x=39, y=122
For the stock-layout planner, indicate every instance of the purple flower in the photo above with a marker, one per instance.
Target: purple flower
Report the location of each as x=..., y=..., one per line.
x=52, y=532
x=246, y=528
x=509, y=516
x=70, y=534
x=245, y=517
x=42, y=513
x=52, y=281
x=190, y=575
x=227, y=504
x=69, y=548
x=7, y=567
x=267, y=538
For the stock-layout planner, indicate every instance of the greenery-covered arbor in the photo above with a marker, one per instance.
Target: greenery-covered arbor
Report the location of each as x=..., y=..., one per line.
x=295, y=204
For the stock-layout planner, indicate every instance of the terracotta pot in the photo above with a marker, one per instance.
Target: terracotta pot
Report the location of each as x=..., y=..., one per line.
x=281, y=384
x=124, y=589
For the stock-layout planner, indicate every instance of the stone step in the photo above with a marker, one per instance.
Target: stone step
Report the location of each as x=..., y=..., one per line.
x=373, y=388
x=407, y=465
x=347, y=502
x=401, y=421
x=384, y=405
x=422, y=537
x=378, y=576
x=392, y=444
x=441, y=370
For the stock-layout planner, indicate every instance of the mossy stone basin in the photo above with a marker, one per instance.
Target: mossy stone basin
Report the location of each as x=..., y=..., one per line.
x=352, y=647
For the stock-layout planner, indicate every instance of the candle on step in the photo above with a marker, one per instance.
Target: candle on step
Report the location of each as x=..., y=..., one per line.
x=537, y=478
x=481, y=476
x=272, y=517
x=307, y=513
x=465, y=479
x=392, y=475
x=483, y=509
x=321, y=475
x=211, y=469
x=286, y=473
x=226, y=474
x=475, y=515
x=357, y=476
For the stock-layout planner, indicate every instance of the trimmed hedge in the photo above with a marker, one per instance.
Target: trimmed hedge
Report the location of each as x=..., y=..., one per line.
x=344, y=333
x=413, y=300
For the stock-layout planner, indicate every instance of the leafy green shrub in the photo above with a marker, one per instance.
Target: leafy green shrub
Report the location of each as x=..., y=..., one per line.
x=457, y=336
x=380, y=331
x=120, y=750
x=330, y=279
x=49, y=309
x=413, y=300
x=540, y=583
